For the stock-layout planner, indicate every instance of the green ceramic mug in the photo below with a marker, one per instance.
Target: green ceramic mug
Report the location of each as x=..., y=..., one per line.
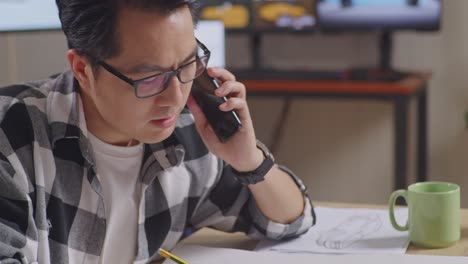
x=433, y=213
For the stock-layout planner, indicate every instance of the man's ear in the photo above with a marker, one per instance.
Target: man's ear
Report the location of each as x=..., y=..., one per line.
x=81, y=68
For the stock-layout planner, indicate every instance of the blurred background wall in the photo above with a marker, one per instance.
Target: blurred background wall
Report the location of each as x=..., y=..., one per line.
x=342, y=149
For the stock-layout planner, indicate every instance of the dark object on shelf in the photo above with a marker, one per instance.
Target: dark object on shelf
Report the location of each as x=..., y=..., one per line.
x=273, y=74
x=358, y=74
x=385, y=75
x=346, y=3
x=413, y=2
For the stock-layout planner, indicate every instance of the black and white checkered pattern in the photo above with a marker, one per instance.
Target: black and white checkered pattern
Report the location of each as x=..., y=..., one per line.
x=51, y=207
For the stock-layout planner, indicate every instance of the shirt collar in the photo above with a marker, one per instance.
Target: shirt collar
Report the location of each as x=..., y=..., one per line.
x=65, y=109
x=67, y=120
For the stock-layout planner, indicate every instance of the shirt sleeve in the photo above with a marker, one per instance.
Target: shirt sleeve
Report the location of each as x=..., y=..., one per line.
x=229, y=206
x=15, y=212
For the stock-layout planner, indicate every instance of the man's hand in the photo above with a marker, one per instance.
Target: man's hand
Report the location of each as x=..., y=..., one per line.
x=240, y=151
x=278, y=197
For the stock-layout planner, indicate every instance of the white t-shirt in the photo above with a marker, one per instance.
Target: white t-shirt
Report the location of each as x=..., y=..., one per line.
x=118, y=169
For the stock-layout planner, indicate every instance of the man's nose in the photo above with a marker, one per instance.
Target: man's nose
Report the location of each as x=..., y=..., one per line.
x=173, y=95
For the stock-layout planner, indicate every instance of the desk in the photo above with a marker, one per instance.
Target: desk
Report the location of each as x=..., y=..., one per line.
x=213, y=238
x=399, y=93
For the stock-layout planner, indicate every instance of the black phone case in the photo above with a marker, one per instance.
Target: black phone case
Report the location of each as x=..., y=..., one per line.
x=224, y=124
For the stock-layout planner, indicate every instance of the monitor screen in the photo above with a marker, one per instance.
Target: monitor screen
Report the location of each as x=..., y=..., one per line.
x=261, y=15
x=25, y=15
x=211, y=33
x=379, y=14
x=296, y=15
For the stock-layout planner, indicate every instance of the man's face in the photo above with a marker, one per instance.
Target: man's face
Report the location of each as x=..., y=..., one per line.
x=150, y=43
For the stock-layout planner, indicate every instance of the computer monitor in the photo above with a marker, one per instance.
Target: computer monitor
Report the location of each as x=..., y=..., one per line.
x=33, y=15
x=293, y=15
x=261, y=16
x=28, y=15
x=211, y=33
x=384, y=15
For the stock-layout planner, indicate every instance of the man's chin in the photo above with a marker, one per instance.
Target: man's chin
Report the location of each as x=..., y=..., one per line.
x=156, y=137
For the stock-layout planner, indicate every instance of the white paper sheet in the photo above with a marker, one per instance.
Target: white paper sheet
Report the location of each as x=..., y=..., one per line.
x=205, y=255
x=348, y=230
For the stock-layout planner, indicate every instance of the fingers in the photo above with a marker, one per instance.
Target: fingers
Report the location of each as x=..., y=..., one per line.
x=228, y=85
x=233, y=104
x=231, y=89
x=221, y=74
x=238, y=105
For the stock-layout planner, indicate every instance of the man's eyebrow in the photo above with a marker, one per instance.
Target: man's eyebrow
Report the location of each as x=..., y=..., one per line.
x=144, y=67
x=190, y=57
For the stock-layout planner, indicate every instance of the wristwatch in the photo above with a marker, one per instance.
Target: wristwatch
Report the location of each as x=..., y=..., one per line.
x=257, y=175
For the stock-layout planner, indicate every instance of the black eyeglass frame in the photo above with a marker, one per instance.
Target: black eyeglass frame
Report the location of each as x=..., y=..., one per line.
x=176, y=72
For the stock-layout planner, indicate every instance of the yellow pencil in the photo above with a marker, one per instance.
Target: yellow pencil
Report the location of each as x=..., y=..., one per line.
x=168, y=255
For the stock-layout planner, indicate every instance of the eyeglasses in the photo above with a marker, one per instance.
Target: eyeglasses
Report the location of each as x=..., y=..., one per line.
x=158, y=83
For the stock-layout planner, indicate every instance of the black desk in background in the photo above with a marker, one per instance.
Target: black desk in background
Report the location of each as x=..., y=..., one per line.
x=398, y=91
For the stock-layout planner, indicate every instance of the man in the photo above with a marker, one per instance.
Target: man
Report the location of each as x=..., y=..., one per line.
x=103, y=164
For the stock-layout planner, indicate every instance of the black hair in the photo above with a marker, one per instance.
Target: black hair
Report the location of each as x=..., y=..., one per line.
x=90, y=25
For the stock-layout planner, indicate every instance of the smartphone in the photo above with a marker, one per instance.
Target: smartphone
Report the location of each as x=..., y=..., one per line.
x=224, y=124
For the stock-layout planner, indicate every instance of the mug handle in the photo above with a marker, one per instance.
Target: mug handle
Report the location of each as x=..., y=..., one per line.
x=391, y=203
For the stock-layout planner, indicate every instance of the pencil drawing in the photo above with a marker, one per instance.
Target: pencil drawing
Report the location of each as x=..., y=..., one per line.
x=351, y=230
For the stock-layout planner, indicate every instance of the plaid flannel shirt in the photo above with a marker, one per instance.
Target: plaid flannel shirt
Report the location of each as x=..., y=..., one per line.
x=51, y=206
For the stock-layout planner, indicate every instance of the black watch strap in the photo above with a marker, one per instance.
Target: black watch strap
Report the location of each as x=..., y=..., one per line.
x=257, y=175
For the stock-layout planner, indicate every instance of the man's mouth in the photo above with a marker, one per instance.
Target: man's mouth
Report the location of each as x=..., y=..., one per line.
x=165, y=122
